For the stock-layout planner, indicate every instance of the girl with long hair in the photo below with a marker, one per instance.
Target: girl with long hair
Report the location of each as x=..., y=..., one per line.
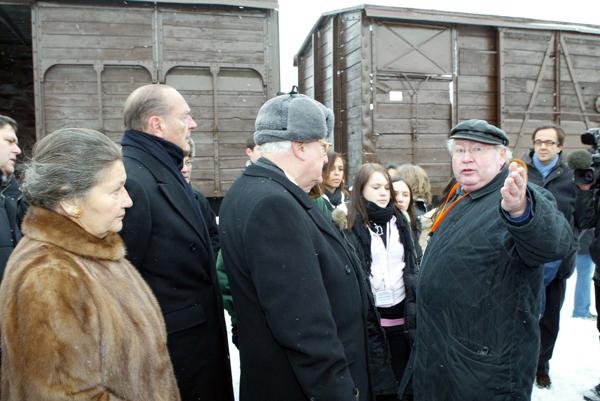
x=383, y=241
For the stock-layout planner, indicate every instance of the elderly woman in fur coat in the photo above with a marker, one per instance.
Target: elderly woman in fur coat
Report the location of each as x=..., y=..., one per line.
x=77, y=322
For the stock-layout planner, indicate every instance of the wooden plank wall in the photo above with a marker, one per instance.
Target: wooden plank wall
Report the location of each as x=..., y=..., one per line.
x=306, y=70
x=477, y=72
x=71, y=97
x=524, y=52
x=94, y=33
x=324, y=68
x=226, y=38
x=219, y=144
x=556, y=100
x=494, y=73
x=413, y=129
x=420, y=123
x=71, y=39
x=350, y=39
x=231, y=36
x=584, y=53
x=132, y=46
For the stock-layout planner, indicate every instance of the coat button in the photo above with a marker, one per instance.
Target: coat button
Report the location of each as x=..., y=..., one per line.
x=193, y=247
x=348, y=270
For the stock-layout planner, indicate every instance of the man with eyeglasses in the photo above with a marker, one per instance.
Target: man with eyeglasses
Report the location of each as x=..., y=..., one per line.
x=300, y=300
x=548, y=169
x=480, y=279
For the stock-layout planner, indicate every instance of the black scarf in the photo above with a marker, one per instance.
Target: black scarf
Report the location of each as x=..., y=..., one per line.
x=380, y=215
x=376, y=215
x=169, y=154
x=335, y=197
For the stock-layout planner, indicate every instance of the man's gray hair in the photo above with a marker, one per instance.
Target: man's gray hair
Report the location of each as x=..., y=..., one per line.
x=507, y=154
x=143, y=103
x=276, y=147
x=66, y=164
x=6, y=120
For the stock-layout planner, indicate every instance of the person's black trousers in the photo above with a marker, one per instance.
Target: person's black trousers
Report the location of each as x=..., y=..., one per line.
x=550, y=322
x=597, y=296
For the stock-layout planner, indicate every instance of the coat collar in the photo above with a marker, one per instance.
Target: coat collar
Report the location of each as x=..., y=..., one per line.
x=267, y=169
x=47, y=226
x=171, y=190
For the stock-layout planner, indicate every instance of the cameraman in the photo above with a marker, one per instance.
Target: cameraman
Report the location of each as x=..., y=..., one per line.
x=584, y=165
x=592, y=204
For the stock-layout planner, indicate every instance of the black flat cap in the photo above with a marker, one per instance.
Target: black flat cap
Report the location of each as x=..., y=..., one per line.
x=479, y=131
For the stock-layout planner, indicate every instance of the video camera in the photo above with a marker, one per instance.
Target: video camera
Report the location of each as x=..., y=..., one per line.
x=585, y=163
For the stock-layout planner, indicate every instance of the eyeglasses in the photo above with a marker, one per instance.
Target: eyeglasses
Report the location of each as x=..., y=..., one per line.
x=325, y=146
x=474, y=151
x=539, y=142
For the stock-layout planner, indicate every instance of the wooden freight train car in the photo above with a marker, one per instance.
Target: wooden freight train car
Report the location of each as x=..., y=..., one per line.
x=73, y=63
x=398, y=79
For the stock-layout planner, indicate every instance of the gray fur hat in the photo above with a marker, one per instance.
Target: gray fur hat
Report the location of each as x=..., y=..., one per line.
x=292, y=117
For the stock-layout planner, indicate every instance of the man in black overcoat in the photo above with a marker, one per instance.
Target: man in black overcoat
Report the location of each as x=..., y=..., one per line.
x=298, y=295
x=9, y=228
x=168, y=242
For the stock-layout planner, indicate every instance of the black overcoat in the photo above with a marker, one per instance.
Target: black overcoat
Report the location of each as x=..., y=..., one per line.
x=168, y=243
x=478, y=298
x=10, y=234
x=297, y=291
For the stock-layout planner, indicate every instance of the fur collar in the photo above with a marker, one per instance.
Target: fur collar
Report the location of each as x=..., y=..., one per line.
x=48, y=226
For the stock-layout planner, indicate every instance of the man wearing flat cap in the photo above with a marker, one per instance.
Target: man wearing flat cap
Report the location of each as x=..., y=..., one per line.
x=481, y=277
x=300, y=300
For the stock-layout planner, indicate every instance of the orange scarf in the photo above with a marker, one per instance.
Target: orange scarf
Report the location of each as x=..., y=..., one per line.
x=446, y=208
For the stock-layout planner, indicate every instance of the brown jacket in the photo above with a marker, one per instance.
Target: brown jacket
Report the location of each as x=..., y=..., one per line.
x=77, y=322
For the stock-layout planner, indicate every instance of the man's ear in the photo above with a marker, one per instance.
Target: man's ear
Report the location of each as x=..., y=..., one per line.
x=154, y=126
x=299, y=150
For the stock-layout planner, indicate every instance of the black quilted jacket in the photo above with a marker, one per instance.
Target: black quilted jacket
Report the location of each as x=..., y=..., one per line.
x=478, y=298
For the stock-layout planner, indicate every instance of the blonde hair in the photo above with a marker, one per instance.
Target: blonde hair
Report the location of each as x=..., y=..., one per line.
x=417, y=179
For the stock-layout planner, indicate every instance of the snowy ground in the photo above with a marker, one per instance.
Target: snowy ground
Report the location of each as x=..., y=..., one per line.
x=574, y=367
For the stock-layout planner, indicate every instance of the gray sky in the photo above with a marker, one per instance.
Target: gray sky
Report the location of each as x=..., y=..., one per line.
x=297, y=17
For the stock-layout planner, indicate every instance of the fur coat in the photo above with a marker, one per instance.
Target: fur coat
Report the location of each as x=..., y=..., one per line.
x=77, y=322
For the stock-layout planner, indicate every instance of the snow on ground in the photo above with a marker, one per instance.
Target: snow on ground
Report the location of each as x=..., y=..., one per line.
x=574, y=367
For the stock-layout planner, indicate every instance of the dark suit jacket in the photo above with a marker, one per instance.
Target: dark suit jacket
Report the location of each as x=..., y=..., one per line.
x=169, y=244
x=10, y=234
x=297, y=292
